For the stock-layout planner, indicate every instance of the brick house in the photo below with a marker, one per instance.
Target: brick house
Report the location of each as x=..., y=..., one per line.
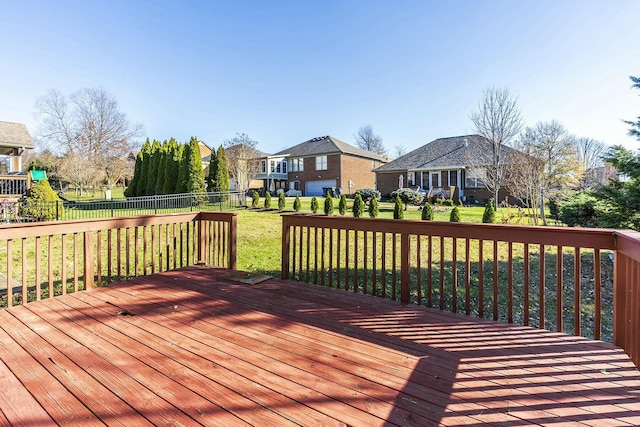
x=319, y=163
x=446, y=167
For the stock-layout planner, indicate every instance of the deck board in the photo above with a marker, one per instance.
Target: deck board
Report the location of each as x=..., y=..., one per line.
x=194, y=348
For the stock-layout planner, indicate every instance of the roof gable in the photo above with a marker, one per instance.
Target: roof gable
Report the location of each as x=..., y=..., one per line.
x=329, y=145
x=15, y=135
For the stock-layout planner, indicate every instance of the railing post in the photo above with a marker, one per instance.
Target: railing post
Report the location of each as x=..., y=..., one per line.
x=286, y=238
x=88, y=260
x=201, y=236
x=233, y=238
x=405, y=291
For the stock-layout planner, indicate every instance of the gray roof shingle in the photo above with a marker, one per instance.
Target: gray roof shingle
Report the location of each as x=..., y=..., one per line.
x=329, y=145
x=15, y=135
x=455, y=151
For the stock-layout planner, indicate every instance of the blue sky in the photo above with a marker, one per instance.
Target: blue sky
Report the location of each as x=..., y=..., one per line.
x=287, y=71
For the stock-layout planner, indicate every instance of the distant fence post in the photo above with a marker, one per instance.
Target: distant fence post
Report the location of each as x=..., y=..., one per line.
x=57, y=210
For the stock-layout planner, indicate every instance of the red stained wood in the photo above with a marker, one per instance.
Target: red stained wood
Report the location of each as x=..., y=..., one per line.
x=195, y=348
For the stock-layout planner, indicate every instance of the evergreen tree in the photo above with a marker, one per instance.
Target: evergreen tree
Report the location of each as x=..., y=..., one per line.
x=195, y=181
x=162, y=166
x=222, y=176
x=213, y=172
x=296, y=204
x=141, y=188
x=342, y=205
x=489, y=216
x=183, y=169
x=358, y=206
x=255, y=200
x=131, y=190
x=455, y=215
x=267, y=200
x=314, y=205
x=374, y=210
x=427, y=212
x=281, y=202
x=328, y=205
x=154, y=164
x=172, y=166
x=398, y=209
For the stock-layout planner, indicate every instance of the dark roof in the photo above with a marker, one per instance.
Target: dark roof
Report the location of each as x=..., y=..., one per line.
x=329, y=145
x=444, y=152
x=14, y=135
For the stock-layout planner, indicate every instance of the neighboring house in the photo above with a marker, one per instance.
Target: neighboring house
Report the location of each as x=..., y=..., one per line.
x=320, y=163
x=14, y=140
x=447, y=167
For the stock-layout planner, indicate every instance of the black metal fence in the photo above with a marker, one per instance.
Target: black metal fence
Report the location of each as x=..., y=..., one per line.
x=12, y=211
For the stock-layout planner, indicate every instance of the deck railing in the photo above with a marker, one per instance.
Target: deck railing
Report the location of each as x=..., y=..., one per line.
x=13, y=185
x=555, y=278
x=53, y=258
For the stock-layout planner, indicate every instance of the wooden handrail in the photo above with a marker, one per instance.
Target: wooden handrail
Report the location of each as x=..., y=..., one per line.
x=110, y=250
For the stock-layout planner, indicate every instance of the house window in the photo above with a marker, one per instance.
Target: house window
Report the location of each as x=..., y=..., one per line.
x=297, y=165
x=263, y=166
x=411, y=178
x=321, y=163
x=284, y=167
x=272, y=166
x=475, y=178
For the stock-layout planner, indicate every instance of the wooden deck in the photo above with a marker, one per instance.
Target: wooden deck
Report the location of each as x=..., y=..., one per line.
x=189, y=347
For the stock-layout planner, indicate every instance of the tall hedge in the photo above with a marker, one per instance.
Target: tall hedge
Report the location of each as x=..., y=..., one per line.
x=183, y=169
x=374, y=210
x=172, y=166
x=132, y=189
x=358, y=206
x=398, y=209
x=342, y=205
x=162, y=161
x=328, y=205
x=314, y=205
x=154, y=164
x=195, y=182
x=281, y=202
x=141, y=186
x=296, y=204
x=213, y=171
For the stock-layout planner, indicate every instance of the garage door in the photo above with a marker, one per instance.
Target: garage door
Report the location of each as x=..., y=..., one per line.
x=314, y=188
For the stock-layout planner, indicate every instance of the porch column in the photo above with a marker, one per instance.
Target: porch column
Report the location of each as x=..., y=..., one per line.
x=460, y=193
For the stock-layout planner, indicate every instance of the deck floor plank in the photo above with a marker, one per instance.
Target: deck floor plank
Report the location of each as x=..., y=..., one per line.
x=199, y=349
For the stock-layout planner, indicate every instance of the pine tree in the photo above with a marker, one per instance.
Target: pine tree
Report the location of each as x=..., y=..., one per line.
x=455, y=215
x=131, y=190
x=297, y=204
x=342, y=205
x=314, y=205
x=358, y=206
x=489, y=216
x=255, y=200
x=154, y=164
x=195, y=176
x=162, y=168
x=213, y=172
x=398, y=209
x=427, y=212
x=281, y=202
x=222, y=175
x=328, y=205
x=374, y=210
x=141, y=188
x=267, y=200
x=172, y=166
x=183, y=170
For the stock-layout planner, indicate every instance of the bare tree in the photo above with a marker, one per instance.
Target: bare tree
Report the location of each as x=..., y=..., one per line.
x=367, y=140
x=590, y=153
x=497, y=119
x=116, y=169
x=399, y=150
x=81, y=173
x=243, y=160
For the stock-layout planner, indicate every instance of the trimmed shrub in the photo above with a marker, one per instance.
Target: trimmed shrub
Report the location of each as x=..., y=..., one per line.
x=367, y=194
x=398, y=211
x=489, y=216
x=374, y=210
x=328, y=205
x=408, y=197
x=342, y=205
x=314, y=205
x=358, y=206
x=427, y=212
x=455, y=214
x=297, y=204
x=41, y=203
x=255, y=200
x=267, y=200
x=281, y=201
x=448, y=202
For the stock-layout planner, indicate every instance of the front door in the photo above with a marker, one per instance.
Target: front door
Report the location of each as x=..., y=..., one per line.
x=435, y=179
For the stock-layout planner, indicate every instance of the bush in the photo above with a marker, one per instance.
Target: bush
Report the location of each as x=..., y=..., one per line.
x=367, y=194
x=328, y=204
x=439, y=201
x=267, y=200
x=281, y=201
x=584, y=209
x=398, y=211
x=427, y=212
x=374, y=209
x=489, y=216
x=297, y=204
x=41, y=203
x=358, y=206
x=455, y=214
x=255, y=200
x=408, y=197
x=342, y=205
x=314, y=205
x=448, y=202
